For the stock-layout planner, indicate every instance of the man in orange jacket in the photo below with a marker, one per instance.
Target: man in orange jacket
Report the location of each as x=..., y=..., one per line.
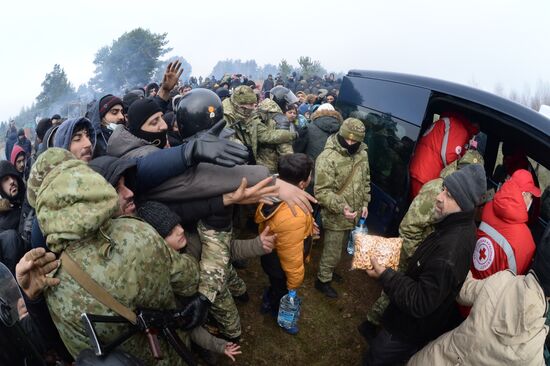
x=285, y=265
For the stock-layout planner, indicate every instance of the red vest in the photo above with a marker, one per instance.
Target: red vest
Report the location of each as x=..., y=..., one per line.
x=504, y=240
x=443, y=143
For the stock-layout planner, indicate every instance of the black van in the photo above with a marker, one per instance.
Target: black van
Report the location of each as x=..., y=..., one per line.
x=398, y=108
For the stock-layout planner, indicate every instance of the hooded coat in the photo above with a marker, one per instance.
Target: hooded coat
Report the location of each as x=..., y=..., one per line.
x=507, y=214
x=10, y=207
x=332, y=168
x=323, y=124
x=505, y=327
x=74, y=207
x=65, y=131
x=291, y=231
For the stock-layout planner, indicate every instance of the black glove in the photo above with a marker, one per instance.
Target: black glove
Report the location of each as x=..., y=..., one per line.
x=210, y=148
x=282, y=123
x=196, y=311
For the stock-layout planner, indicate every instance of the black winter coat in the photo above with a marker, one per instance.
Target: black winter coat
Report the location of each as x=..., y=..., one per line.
x=323, y=124
x=422, y=299
x=10, y=207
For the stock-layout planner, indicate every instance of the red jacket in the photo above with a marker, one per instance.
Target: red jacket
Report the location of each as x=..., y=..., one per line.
x=507, y=215
x=427, y=161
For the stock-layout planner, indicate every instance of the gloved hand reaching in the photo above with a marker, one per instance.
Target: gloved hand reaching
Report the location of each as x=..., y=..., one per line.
x=196, y=310
x=210, y=148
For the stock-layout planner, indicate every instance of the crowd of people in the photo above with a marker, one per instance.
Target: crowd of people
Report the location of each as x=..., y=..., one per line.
x=142, y=207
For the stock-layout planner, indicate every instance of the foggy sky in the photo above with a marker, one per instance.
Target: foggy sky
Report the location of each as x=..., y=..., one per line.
x=471, y=42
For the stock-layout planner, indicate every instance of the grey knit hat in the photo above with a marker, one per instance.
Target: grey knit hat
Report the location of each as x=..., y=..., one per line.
x=159, y=216
x=467, y=186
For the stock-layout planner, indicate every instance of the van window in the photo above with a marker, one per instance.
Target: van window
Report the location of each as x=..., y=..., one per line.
x=390, y=144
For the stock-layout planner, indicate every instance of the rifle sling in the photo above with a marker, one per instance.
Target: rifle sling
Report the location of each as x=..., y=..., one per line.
x=94, y=289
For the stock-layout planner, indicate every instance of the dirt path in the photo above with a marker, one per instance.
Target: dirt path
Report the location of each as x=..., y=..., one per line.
x=328, y=327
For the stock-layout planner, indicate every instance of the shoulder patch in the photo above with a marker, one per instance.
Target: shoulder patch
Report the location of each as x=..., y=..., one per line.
x=484, y=254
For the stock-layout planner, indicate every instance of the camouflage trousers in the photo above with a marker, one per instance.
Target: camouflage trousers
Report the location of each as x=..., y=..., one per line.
x=333, y=243
x=235, y=284
x=380, y=305
x=223, y=282
x=224, y=310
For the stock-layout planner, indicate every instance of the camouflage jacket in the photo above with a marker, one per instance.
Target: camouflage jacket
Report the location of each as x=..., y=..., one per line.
x=252, y=131
x=332, y=168
x=125, y=256
x=268, y=154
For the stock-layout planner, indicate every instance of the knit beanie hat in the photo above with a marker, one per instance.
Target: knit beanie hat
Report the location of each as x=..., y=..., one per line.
x=160, y=217
x=43, y=126
x=139, y=112
x=467, y=186
x=108, y=102
x=352, y=129
x=129, y=98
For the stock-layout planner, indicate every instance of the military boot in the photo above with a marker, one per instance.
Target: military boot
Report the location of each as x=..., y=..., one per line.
x=326, y=288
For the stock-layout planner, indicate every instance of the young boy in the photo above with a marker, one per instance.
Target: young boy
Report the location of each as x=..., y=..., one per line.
x=285, y=265
x=167, y=224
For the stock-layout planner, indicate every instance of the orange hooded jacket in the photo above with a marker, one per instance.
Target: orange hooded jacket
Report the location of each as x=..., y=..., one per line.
x=291, y=231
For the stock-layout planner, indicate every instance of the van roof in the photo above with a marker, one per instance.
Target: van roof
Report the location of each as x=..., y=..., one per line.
x=526, y=115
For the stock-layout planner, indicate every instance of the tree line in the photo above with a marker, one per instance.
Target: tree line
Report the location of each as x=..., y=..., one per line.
x=134, y=60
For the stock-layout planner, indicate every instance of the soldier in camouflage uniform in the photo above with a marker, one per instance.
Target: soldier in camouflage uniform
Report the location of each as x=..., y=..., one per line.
x=268, y=154
x=240, y=114
x=419, y=222
x=74, y=206
x=342, y=187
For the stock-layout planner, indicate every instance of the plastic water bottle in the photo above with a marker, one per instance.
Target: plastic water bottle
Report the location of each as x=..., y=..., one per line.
x=360, y=228
x=289, y=311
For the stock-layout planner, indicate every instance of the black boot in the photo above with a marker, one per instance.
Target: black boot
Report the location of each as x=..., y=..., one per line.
x=244, y=298
x=337, y=278
x=368, y=330
x=326, y=288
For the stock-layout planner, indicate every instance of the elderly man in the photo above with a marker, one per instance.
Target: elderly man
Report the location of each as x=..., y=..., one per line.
x=422, y=300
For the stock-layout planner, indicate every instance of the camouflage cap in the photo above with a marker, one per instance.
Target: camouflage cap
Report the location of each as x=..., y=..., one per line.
x=244, y=95
x=353, y=129
x=470, y=157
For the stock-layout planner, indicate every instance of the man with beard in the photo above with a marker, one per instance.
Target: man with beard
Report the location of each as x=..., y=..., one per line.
x=12, y=191
x=75, y=135
x=422, y=300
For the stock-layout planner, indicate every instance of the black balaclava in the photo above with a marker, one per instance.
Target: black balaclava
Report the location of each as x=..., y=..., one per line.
x=352, y=149
x=138, y=114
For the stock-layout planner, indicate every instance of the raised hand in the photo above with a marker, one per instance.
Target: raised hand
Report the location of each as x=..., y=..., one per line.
x=32, y=270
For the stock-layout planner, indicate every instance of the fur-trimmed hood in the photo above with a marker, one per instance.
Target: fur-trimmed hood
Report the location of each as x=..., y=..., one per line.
x=328, y=121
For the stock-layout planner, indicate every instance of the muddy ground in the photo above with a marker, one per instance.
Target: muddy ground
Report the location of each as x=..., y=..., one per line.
x=328, y=327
